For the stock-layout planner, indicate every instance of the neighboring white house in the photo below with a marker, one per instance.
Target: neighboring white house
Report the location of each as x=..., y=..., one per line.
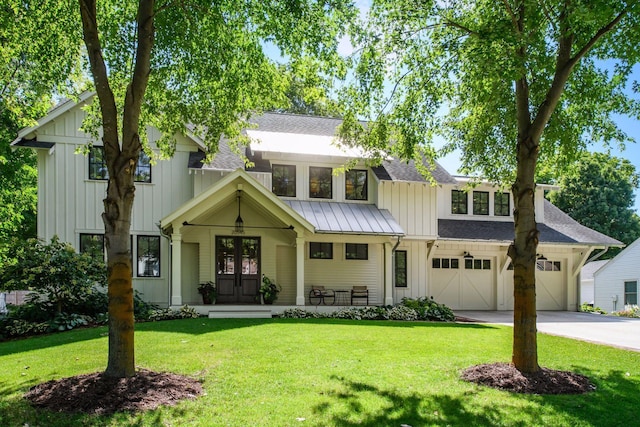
x=587, y=294
x=303, y=224
x=616, y=284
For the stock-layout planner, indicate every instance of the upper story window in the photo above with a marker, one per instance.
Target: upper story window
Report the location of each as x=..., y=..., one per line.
x=481, y=203
x=356, y=251
x=320, y=183
x=501, y=204
x=98, y=166
x=458, y=202
x=356, y=185
x=283, y=180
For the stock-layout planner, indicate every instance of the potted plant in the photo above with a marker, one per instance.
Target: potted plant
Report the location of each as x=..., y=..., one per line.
x=269, y=290
x=208, y=292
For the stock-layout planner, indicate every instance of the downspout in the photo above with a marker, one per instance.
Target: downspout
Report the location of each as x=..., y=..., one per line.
x=168, y=237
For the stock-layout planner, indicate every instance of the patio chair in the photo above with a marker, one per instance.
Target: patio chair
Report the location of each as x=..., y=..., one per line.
x=360, y=292
x=318, y=294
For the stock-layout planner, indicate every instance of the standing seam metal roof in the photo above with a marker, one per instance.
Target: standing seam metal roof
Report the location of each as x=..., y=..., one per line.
x=348, y=218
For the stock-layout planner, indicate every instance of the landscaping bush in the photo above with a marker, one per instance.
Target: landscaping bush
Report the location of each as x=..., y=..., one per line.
x=54, y=270
x=428, y=309
x=588, y=308
x=185, y=312
x=407, y=310
x=629, y=311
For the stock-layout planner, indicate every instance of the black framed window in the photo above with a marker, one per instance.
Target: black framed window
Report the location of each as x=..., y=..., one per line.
x=501, y=204
x=477, y=264
x=320, y=250
x=481, y=203
x=143, y=168
x=98, y=166
x=356, y=251
x=283, y=180
x=356, y=184
x=148, y=256
x=93, y=244
x=545, y=265
x=400, y=269
x=320, y=183
x=458, y=202
x=631, y=293
x=446, y=263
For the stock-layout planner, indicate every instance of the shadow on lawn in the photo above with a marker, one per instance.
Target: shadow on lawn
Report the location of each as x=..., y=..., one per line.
x=204, y=326
x=613, y=403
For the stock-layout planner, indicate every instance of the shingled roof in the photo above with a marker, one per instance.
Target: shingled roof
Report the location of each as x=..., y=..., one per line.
x=557, y=227
x=390, y=170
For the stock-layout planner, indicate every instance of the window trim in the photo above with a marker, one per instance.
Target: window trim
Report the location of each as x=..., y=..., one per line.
x=461, y=196
x=103, y=166
x=365, y=185
x=403, y=271
x=138, y=252
x=501, y=204
x=314, y=170
x=83, y=249
x=630, y=293
x=286, y=185
x=481, y=207
x=355, y=250
x=319, y=252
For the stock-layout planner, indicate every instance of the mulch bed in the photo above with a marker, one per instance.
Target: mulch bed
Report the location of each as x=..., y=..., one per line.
x=100, y=395
x=505, y=376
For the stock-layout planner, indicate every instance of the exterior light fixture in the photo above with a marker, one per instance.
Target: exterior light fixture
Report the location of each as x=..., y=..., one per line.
x=541, y=257
x=467, y=255
x=239, y=225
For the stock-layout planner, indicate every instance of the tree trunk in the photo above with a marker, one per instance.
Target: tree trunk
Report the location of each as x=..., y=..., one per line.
x=117, y=221
x=523, y=255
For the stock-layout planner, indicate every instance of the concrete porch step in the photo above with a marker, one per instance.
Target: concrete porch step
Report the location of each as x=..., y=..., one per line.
x=239, y=312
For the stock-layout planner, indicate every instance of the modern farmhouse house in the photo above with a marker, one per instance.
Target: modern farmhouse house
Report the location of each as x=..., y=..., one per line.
x=294, y=218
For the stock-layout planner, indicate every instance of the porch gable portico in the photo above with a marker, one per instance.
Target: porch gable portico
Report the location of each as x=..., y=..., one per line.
x=214, y=212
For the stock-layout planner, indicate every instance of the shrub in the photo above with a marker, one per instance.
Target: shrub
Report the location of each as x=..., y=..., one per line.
x=588, y=308
x=185, y=312
x=428, y=309
x=54, y=270
x=65, y=321
x=629, y=311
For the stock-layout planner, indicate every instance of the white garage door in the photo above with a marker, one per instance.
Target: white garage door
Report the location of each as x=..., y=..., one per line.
x=463, y=284
x=550, y=286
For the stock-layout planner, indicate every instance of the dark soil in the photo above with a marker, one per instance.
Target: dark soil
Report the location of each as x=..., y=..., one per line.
x=506, y=377
x=97, y=394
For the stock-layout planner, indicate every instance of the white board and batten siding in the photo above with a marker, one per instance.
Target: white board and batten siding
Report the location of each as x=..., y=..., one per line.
x=412, y=204
x=74, y=204
x=609, y=280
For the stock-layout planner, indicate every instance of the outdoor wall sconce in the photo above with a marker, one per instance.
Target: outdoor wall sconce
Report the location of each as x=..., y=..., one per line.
x=467, y=255
x=541, y=257
x=239, y=225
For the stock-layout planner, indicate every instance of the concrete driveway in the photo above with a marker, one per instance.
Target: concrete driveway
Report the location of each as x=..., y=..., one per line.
x=614, y=331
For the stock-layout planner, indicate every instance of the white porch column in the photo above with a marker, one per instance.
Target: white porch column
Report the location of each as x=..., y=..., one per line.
x=388, y=274
x=176, y=269
x=300, y=270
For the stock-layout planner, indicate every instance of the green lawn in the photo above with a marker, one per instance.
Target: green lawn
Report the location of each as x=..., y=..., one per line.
x=287, y=372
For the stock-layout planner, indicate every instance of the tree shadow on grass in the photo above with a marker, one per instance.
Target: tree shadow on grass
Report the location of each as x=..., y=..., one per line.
x=614, y=402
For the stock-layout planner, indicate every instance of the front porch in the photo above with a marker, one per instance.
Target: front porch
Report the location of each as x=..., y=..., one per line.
x=255, y=311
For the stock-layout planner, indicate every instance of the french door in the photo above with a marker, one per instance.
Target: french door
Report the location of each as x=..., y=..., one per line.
x=238, y=269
